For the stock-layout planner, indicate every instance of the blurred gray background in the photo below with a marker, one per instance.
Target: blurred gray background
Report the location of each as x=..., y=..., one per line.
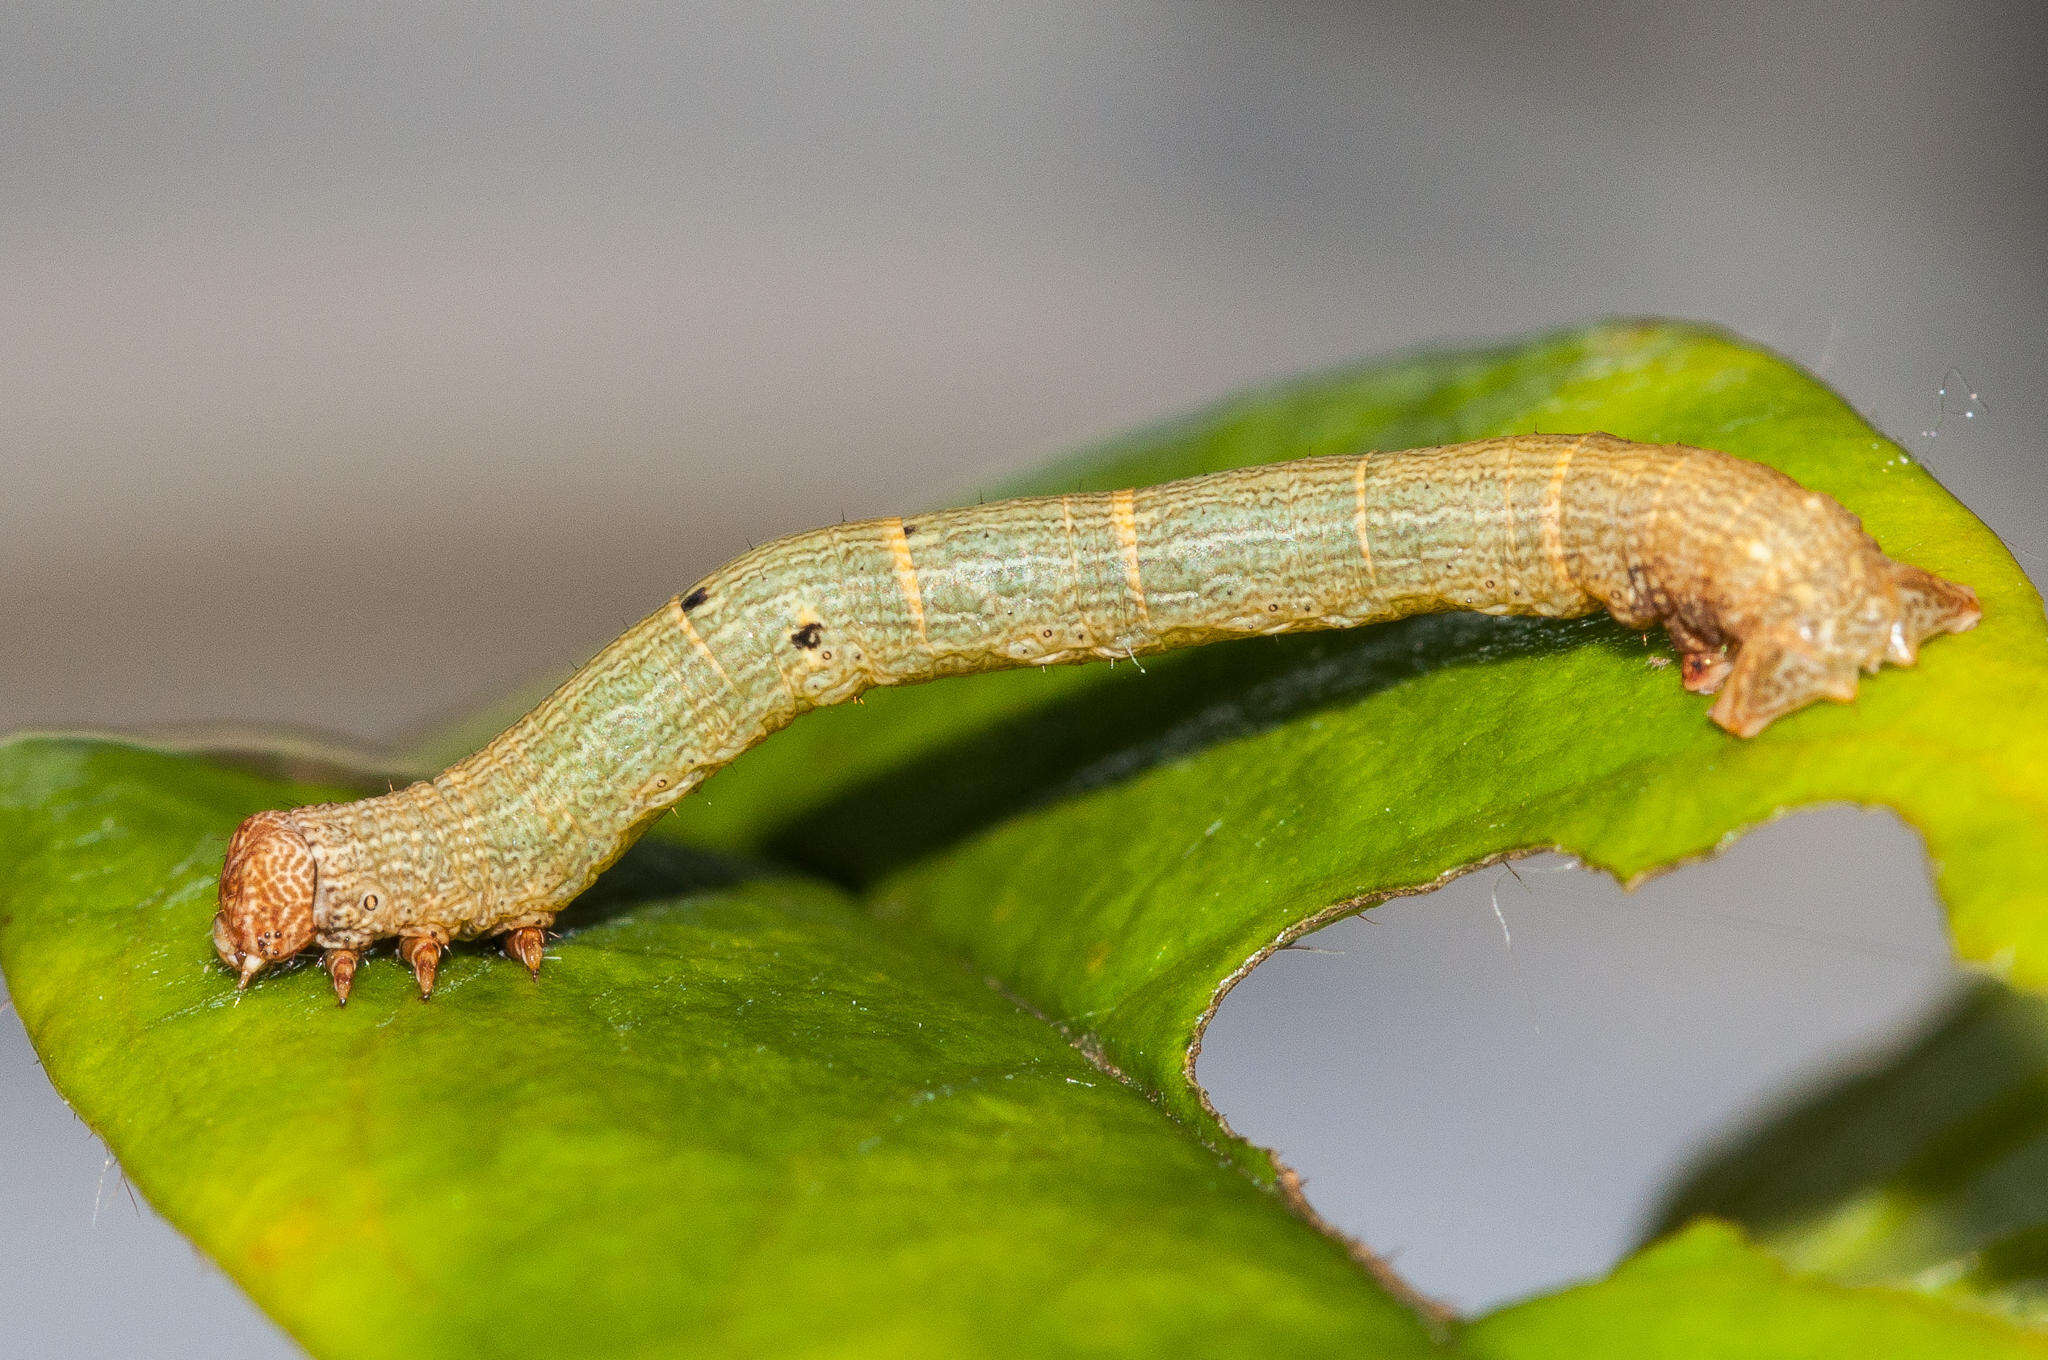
x=358, y=365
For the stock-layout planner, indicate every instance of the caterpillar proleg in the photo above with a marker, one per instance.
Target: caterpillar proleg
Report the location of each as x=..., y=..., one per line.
x=1773, y=595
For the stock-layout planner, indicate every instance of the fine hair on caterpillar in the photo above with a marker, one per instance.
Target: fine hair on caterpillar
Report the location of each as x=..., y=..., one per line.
x=1773, y=596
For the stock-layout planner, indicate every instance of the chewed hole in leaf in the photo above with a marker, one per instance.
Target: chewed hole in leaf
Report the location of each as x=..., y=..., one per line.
x=1528, y=1092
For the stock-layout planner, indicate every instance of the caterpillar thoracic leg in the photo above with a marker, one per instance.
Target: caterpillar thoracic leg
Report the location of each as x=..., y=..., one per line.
x=423, y=952
x=341, y=971
x=524, y=944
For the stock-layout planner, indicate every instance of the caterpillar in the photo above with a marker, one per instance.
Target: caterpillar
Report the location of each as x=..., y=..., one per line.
x=1773, y=596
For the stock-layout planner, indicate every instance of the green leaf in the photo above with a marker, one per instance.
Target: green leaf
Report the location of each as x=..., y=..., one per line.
x=1705, y=1295
x=735, y=1118
x=1929, y=1169
x=1109, y=843
x=741, y=1115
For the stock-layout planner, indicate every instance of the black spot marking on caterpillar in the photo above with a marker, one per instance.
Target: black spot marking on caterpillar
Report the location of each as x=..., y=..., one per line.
x=909, y=529
x=808, y=636
x=696, y=598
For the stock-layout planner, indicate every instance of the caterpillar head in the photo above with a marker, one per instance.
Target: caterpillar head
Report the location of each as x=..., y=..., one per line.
x=266, y=896
x=1796, y=609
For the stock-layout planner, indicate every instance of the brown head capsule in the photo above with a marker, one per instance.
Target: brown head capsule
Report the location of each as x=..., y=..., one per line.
x=266, y=896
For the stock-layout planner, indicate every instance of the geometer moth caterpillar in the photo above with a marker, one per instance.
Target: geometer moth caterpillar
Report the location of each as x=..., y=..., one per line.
x=1772, y=594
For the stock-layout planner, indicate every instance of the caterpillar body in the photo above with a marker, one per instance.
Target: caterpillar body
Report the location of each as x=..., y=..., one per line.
x=1772, y=594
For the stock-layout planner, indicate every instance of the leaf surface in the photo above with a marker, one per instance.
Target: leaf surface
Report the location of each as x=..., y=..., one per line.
x=736, y=1117
x=1929, y=1168
x=741, y=1114
x=1111, y=842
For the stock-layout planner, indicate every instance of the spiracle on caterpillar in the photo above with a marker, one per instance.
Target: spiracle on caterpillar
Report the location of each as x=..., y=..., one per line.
x=1772, y=594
